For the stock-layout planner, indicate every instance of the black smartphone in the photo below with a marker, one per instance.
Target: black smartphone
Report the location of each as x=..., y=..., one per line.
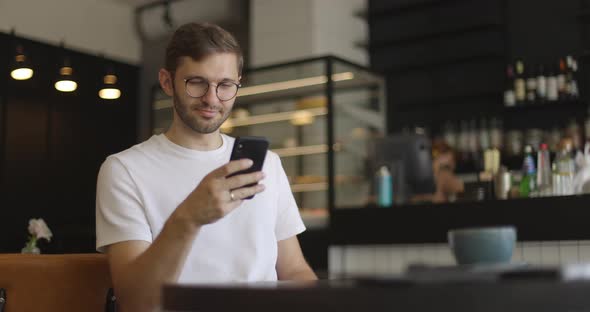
x=251, y=147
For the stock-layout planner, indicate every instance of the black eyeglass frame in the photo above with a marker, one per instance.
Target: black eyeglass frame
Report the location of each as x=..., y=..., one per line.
x=186, y=80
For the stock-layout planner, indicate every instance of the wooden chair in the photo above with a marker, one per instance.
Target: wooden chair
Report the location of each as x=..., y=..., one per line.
x=69, y=282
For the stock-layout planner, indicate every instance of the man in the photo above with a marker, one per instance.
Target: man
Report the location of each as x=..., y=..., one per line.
x=165, y=211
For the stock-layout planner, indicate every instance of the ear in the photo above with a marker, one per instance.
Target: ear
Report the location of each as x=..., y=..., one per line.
x=166, y=81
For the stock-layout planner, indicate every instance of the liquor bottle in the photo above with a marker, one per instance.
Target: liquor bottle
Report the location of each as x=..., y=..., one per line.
x=544, y=171
x=552, y=89
x=509, y=96
x=574, y=87
x=561, y=80
x=528, y=182
x=484, y=135
x=531, y=86
x=571, y=80
x=463, y=144
x=565, y=169
x=450, y=135
x=553, y=139
x=574, y=132
x=541, y=84
x=496, y=134
x=555, y=180
x=473, y=144
x=519, y=83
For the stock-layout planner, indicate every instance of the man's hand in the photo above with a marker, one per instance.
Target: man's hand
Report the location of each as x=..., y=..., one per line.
x=217, y=195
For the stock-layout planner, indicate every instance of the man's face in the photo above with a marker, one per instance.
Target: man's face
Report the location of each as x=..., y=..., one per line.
x=207, y=113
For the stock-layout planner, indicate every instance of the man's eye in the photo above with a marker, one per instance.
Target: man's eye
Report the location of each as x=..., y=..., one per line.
x=226, y=85
x=195, y=82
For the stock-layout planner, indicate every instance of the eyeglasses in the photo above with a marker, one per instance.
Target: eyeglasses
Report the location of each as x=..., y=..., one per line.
x=198, y=87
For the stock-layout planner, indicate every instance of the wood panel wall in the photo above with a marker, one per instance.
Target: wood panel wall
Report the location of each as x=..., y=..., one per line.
x=52, y=144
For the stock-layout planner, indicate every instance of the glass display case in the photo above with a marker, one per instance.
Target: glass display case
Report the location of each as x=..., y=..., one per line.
x=318, y=114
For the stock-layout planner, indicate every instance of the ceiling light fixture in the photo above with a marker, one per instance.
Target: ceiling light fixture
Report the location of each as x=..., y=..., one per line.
x=20, y=68
x=65, y=80
x=109, y=89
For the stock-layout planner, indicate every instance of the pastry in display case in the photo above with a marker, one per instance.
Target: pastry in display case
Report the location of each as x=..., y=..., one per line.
x=317, y=114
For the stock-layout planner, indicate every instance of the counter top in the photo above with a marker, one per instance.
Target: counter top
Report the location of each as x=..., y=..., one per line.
x=536, y=219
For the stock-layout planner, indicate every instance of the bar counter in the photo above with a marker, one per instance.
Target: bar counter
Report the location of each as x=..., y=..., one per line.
x=536, y=219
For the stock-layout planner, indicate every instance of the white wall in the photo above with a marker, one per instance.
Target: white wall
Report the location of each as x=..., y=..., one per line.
x=280, y=31
x=284, y=30
x=337, y=30
x=90, y=26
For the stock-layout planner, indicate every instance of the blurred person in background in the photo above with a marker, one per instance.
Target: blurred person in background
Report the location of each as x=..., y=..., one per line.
x=448, y=185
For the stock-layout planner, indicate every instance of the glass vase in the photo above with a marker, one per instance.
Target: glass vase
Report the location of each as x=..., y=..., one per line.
x=31, y=250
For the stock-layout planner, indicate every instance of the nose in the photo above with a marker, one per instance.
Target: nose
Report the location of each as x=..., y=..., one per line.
x=211, y=95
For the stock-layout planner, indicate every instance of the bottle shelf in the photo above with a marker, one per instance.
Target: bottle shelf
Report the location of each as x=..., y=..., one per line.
x=304, y=87
x=511, y=162
x=309, y=187
x=553, y=105
x=277, y=117
x=162, y=104
x=301, y=150
x=259, y=119
x=302, y=184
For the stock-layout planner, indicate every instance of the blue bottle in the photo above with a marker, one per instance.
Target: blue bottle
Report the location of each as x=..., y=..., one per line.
x=384, y=187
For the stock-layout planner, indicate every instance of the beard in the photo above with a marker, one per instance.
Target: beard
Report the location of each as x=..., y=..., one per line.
x=198, y=123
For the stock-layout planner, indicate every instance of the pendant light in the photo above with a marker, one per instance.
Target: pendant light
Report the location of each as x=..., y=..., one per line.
x=20, y=68
x=109, y=89
x=65, y=81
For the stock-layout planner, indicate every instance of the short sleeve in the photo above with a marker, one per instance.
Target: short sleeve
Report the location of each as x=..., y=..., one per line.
x=120, y=215
x=289, y=222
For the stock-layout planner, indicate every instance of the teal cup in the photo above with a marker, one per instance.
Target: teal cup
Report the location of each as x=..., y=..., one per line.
x=482, y=245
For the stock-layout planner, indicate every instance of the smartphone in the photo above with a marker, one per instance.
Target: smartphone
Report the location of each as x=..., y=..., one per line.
x=251, y=147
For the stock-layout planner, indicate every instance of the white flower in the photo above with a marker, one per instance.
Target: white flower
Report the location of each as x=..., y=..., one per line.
x=39, y=229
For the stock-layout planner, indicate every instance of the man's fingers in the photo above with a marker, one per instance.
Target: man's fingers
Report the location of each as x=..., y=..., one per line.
x=243, y=179
x=231, y=167
x=244, y=192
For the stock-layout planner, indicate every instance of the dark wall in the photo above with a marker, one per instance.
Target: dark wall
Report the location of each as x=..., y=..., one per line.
x=52, y=144
x=445, y=60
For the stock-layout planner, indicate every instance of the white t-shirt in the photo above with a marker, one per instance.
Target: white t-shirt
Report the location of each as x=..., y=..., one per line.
x=139, y=188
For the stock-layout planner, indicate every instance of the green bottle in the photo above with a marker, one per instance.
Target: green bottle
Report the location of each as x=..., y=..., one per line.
x=528, y=184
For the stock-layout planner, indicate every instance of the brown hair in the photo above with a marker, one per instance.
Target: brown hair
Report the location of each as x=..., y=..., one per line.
x=199, y=40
